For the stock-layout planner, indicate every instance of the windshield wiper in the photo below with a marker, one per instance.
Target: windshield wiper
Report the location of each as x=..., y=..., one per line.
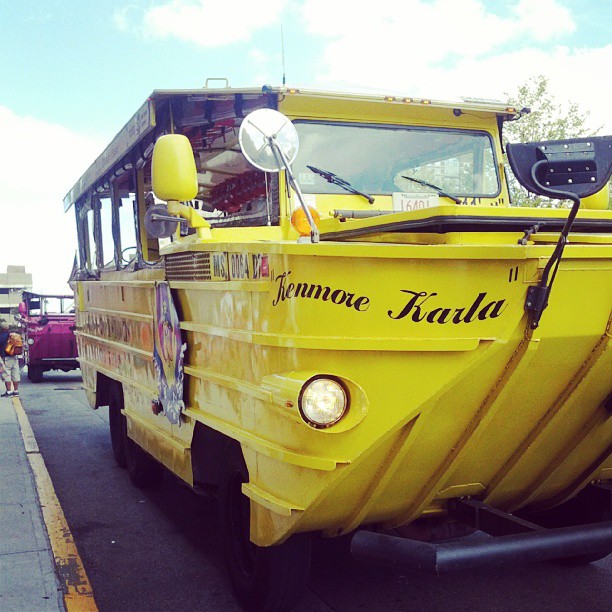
x=334, y=179
x=437, y=189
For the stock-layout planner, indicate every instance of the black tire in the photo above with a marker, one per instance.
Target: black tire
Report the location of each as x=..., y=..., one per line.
x=35, y=373
x=117, y=424
x=144, y=471
x=264, y=579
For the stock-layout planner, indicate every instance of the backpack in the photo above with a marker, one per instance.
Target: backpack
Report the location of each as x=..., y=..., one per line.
x=14, y=346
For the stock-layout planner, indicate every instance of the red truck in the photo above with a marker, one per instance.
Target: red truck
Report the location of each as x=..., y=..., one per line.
x=47, y=324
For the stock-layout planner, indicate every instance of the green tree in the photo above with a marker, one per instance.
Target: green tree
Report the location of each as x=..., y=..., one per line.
x=548, y=120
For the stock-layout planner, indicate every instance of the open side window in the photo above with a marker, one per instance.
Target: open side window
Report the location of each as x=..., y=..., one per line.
x=110, y=225
x=87, y=216
x=231, y=193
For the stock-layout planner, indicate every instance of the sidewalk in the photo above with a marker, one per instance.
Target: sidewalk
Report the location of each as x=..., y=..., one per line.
x=28, y=581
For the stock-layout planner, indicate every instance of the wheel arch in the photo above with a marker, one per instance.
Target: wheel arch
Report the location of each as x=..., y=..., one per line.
x=209, y=448
x=104, y=385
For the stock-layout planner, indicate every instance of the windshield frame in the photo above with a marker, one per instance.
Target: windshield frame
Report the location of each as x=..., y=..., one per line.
x=328, y=189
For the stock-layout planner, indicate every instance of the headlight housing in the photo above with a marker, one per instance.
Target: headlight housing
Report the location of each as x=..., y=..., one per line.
x=323, y=402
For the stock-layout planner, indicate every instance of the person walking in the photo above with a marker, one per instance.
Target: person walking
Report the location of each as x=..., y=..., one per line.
x=9, y=369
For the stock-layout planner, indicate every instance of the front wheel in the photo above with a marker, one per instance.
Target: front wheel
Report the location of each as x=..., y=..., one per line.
x=263, y=578
x=35, y=373
x=144, y=471
x=117, y=425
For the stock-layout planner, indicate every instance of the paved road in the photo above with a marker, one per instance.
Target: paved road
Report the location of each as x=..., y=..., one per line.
x=161, y=550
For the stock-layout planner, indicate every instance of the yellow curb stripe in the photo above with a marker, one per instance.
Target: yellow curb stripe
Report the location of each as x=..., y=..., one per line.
x=78, y=595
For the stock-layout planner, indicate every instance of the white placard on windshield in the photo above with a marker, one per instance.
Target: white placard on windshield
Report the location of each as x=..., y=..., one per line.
x=403, y=202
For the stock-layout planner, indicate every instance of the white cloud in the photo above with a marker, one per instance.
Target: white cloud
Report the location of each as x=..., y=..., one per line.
x=405, y=30
x=207, y=23
x=39, y=163
x=574, y=76
x=262, y=64
x=446, y=49
x=415, y=30
x=543, y=20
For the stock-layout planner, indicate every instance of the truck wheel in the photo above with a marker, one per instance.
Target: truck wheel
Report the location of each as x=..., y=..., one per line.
x=263, y=578
x=117, y=424
x=35, y=373
x=144, y=471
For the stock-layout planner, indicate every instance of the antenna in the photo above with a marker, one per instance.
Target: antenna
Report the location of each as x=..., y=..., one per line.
x=283, y=52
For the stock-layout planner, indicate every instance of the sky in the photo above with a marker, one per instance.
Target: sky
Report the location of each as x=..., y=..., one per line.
x=73, y=72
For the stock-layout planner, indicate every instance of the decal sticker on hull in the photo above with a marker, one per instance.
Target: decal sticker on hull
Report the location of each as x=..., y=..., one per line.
x=219, y=268
x=239, y=266
x=168, y=354
x=261, y=268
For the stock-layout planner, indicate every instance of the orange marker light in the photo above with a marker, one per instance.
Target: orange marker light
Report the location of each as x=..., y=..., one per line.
x=300, y=222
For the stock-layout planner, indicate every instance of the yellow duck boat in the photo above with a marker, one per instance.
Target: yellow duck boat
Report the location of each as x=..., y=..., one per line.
x=340, y=323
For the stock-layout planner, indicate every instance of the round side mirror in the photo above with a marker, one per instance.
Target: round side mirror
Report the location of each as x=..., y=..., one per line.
x=265, y=132
x=159, y=223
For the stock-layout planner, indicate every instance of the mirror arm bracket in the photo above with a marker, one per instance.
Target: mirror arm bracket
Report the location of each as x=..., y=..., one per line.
x=194, y=220
x=537, y=296
x=314, y=230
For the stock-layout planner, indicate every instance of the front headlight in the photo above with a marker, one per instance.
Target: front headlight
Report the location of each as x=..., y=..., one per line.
x=323, y=402
x=30, y=341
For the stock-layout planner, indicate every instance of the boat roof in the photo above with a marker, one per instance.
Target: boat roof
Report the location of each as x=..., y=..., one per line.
x=143, y=121
x=467, y=104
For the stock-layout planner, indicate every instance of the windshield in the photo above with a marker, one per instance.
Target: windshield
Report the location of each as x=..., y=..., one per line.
x=375, y=159
x=50, y=305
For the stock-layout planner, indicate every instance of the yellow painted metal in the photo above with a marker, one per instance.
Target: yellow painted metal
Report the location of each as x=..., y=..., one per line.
x=451, y=393
x=173, y=169
x=599, y=200
x=195, y=220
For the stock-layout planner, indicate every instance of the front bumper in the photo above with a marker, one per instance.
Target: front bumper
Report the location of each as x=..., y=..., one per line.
x=479, y=552
x=515, y=539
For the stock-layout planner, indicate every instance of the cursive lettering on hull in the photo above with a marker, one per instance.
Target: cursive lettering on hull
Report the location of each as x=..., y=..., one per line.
x=287, y=291
x=419, y=309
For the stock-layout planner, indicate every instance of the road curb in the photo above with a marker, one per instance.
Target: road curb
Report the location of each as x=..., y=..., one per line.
x=77, y=591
